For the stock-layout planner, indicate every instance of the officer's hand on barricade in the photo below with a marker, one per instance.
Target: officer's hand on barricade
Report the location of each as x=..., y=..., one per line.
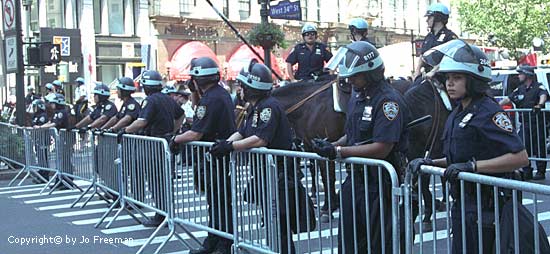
x=324, y=148
x=83, y=130
x=221, y=148
x=537, y=108
x=119, y=135
x=414, y=166
x=174, y=146
x=452, y=171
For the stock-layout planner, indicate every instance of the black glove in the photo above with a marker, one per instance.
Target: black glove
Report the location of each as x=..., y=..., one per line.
x=414, y=166
x=451, y=173
x=174, y=147
x=537, y=108
x=119, y=135
x=324, y=148
x=221, y=148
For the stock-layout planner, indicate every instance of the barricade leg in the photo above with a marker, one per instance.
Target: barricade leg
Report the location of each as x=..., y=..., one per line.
x=50, y=182
x=16, y=176
x=150, y=239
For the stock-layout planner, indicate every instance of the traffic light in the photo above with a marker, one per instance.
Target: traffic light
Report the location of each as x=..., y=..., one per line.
x=44, y=54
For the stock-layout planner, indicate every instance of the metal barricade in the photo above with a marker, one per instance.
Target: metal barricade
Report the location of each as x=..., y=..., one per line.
x=40, y=153
x=484, y=214
x=12, y=148
x=533, y=131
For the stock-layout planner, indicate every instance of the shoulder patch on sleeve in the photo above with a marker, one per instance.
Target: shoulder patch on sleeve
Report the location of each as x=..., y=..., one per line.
x=265, y=115
x=502, y=121
x=201, y=111
x=391, y=110
x=60, y=115
x=131, y=107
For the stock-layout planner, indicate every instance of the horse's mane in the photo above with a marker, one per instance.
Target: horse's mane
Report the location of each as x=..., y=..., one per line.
x=298, y=86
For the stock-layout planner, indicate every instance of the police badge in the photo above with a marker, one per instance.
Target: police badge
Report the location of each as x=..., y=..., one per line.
x=391, y=109
x=265, y=115
x=502, y=121
x=367, y=113
x=201, y=111
x=42, y=119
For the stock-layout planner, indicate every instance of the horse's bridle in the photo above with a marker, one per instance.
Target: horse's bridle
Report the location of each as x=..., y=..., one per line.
x=303, y=101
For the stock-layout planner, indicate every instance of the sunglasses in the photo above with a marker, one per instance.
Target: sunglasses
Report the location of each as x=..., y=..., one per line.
x=309, y=34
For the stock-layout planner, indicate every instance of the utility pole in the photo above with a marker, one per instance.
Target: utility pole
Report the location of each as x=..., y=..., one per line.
x=264, y=14
x=20, y=74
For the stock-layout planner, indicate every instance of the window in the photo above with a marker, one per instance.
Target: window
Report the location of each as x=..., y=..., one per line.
x=185, y=6
x=226, y=8
x=116, y=16
x=56, y=13
x=303, y=5
x=244, y=9
x=97, y=16
x=34, y=16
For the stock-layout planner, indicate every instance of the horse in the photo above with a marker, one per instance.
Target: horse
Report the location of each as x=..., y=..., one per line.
x=308, y=103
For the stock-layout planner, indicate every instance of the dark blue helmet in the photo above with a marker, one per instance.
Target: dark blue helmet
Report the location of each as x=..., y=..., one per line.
x=151, y=78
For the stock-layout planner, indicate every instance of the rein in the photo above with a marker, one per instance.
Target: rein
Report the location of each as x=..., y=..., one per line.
x=303, y=101
x=434, y=130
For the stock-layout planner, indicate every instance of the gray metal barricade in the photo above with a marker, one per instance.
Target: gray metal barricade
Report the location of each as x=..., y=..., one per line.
x=491, y=215
x=532, y=128
x=40, y=153
x=273, y=211
x=12, y=148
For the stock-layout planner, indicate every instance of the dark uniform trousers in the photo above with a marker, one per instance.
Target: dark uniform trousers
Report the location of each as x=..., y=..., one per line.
x=534, y=133
x=42, y=142
x=67, y=139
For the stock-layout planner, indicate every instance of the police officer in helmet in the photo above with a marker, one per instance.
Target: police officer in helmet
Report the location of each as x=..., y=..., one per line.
x=213, y=120
x=58, y=87
x=437, y=17
x=359, y=29
x=40, y=118
x=81, y=98
x=496, y=149
x=130, y=109
x=375, y=128
x=531, y=94
x=103, y=111
x=309, y=55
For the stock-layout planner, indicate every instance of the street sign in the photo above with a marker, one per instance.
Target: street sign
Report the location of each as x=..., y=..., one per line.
x=286, y=10
x=11, y=54
x=65, y=44
x=8, y=11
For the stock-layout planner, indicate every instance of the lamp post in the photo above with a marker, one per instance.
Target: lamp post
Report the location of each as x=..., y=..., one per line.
x=264, y=13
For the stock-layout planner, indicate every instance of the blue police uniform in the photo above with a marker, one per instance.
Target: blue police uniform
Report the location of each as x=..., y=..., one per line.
x=482, y=131
x=214, y=118
x=39, y=118
x=129, y=108
x=528, y=97
x=376, y=114
x=431, y=40
x=159, y=112
x=105, y=108
x=41, y=142
x=30, y=98
x=61, y=118
x=309, y=61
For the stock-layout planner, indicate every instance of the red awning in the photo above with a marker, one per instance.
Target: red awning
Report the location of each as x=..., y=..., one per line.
x=242, y=56
x=182, y=58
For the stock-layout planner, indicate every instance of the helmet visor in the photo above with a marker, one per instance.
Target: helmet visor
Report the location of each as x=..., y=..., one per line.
x=434, y=55
x=337, y=58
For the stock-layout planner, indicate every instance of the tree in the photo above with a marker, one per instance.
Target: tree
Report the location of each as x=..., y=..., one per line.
x=513, y=24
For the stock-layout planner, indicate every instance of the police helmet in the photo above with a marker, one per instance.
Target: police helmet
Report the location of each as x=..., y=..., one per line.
x=358, y=24
x=80, y=80
x=256, y=75
x=38, y=103
x=168, y=90
x=467, y=59
x=526, y=70
x=151, y=78
x=102, y=90
x=358, y=57
x=439, y=11
x=309, y=27
x=204, y=70
x=126, y=84
x=30, y=88
x=57, y=83
x=49, y=86
x=55, y=98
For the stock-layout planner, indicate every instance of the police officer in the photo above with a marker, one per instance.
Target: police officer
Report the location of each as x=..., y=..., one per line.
x=58, y=87
x=159, y=117
x=31, y=96
x=130, y=109
x=375, y=128
x=103, y=110
x=531, y=94
x=266, y=125
x=309, y=55
x=81, y=98
x=359, y=29
x=437, y=18
x=213, y=120
x=495, y=150
x=49, y=89
x=40, y=118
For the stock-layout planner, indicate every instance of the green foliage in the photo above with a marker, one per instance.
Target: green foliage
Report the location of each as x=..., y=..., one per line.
x=255, y=35
x=513, y=23
x=12, y=145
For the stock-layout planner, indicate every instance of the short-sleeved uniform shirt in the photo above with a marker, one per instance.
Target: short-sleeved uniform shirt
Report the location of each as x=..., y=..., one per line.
x=214, y=116
x=159, y=110
x=39, y=118
x=482, y=131
x=309, y=61
x=268, y=121
x=129, y=108
x=527, y=97
x=105, y=108
x=61, y=118
x=431, y=40
x=81, y=91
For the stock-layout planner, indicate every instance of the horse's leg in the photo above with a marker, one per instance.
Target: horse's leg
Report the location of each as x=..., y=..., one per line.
x=313, y=173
